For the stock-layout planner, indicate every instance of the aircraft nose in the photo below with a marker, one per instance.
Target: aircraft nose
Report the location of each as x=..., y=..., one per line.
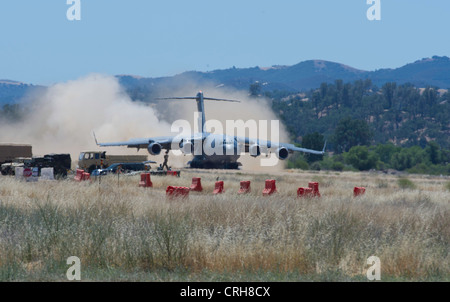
x=229, y=150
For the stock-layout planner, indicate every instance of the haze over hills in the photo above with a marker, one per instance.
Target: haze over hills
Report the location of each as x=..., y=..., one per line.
x=434, y=71
x=306, y=75
x=12, y=92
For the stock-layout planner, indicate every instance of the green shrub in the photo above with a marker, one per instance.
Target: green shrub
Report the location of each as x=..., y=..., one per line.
x=315, y=166
x=297, y=162
x=337, y=166
x=405, y=183
x=361, y=158
x=447, y=185
x=382, y=184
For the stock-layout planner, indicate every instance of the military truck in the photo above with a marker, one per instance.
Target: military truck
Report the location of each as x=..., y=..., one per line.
x=91, y=160
x=8, y=152
x=10, y=168
x=61, y=163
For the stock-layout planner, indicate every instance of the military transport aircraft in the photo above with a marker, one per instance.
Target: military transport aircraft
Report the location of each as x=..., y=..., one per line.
x=197, y=144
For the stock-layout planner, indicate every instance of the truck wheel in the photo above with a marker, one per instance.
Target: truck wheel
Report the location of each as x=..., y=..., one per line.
x=7, y=171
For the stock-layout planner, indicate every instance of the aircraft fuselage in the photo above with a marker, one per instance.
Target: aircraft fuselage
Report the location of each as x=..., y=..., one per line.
x=217, y=151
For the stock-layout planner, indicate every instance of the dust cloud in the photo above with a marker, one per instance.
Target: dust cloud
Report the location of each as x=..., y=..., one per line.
x=63, y=118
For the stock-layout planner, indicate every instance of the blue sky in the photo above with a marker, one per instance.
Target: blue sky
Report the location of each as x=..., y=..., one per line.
x=162, y=38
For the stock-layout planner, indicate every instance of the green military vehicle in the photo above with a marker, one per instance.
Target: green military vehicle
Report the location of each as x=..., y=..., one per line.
x=91, y=160
x=10, y=168
x=61, y=163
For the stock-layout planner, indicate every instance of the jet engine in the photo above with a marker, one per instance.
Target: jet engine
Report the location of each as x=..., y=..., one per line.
x=154, y=149
x=254, y=150
x=282, y=153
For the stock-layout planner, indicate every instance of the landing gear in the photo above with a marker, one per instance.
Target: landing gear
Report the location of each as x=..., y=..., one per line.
x=232, y=166
x=203, y=164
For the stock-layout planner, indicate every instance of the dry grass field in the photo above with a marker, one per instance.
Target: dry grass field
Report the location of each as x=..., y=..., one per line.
x=122, y=232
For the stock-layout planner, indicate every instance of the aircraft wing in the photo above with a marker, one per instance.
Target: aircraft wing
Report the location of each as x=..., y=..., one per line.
x=141, y=143
x=291, y=148
x=265, y=144
x=166, y=143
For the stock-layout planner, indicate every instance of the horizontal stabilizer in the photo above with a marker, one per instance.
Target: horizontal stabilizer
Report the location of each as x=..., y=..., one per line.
x=195, y=98
x=224, y=100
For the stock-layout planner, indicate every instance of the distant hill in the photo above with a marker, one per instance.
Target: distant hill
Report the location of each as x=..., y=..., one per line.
x=434, y=71
x=306, y=75
x=11, y=91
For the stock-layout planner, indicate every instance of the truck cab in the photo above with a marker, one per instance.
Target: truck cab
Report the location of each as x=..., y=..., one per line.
x=91, y=160
x=92, y=155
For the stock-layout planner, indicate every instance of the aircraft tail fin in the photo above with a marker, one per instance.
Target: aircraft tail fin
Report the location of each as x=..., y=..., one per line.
x=95, y=138
x=200, y=106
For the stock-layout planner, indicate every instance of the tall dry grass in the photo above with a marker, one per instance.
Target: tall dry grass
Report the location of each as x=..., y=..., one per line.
x=123, y=232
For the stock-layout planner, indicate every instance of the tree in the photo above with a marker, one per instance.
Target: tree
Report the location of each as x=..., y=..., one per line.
x=401, y=113
x=297, y=161
x=11, y=112
x=349, y=133
x=433, y=152
x=408, y=158
x=388, y=90
x=386, y=151
x=313, y=141
x=360, y=158
x=255, y=89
